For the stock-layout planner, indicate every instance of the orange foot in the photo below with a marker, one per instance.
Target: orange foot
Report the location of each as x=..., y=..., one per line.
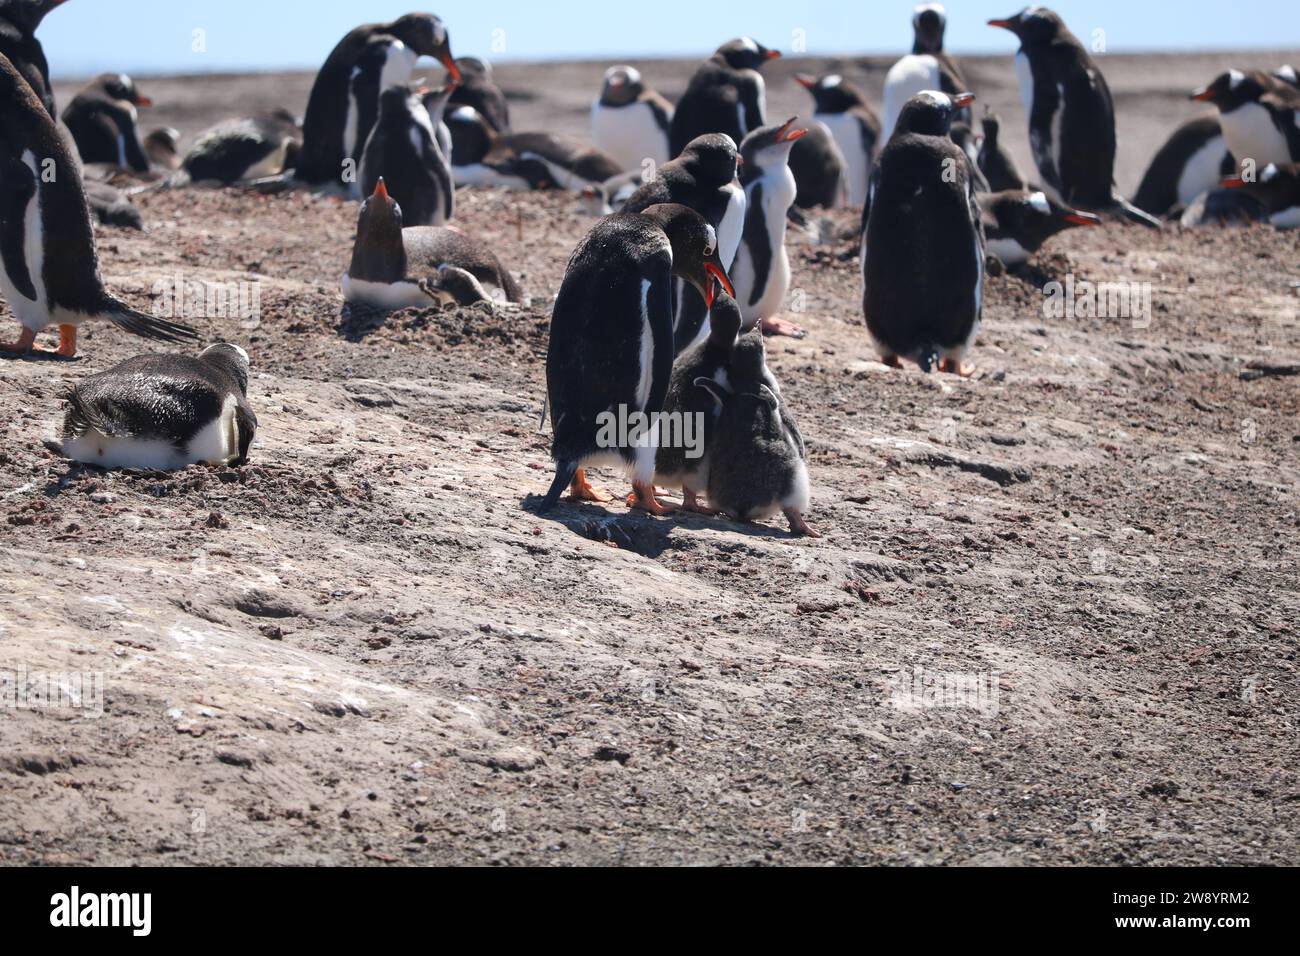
x=583, y=490
x=24, y=343
x=956, y=367
x=690, y=502
x=798, y=525
x=781, y=327
x=643, y=499
x=67, y=341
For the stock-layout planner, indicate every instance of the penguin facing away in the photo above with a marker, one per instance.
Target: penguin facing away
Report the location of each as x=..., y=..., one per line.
x=629, y=121
x=397, y=268
x=479, y=91
x=726, y=94
x=708, y=359
x=163, y=411
x=1278, y=189
x=1071, y=115
x=50, y=268
x=19, y=20
x=762, y=270
x=404, y=149
x=995, y=161
x=339, y=112
x=923, y=244
x=1259, y=114
x=1191, y=162
x=1018, y=222
x=845, y=110
x=611, y=349
x=238, y=150
x=820, y=171
x=102, y=120
x=757, y=459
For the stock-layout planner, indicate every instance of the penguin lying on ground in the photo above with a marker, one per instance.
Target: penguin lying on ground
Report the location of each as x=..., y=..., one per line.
x=703, y=178
x=477, y=90
x=112, y=206
x=845, y=110
x=1278, y=189
x=1259, y=114
x=102, y=121
x=762, y=270
x=726, y=95
x=395, y=268
x=1071, y=115
x=163, y=411
x=1017, y=222
x=405, y=149
x=1191, y=162
x=927, y=67
x=18, y=44
x=756, y=454
x=50, y=269
x=238, y=150
x=162, y=147
x=994, y=160
x=611, y=348
x=708, y=359
x=629, y=121
x=923, y=244
x=337, y=122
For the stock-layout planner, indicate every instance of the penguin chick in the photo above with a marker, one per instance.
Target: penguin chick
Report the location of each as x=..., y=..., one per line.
x=163, y=411
x=995, y=161
x=162, y=146
x=102, y=121
x=405, y=149
x=238, y=150
x=1017, y=223
x=757, y=465
x=690, y=406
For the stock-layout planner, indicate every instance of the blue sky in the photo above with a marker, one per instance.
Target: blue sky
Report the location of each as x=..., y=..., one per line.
x=156, y=36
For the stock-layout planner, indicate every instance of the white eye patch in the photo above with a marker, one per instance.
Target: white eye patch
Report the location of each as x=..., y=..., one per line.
x=710, y=240
x=1269, y=174
x=935, y=97
x=1235, y=79
x=749, y=44
x=832, y=81
x=1039, y=202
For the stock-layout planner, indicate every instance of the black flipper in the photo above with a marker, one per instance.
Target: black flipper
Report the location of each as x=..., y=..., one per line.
x=755, y=238
x=246, y=426
x=1133, y=214
x=564, y=472
x=145, y=326
x=17, y=186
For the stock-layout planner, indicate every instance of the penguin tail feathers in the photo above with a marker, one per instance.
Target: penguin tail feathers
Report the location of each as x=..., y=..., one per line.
x=564, y=472
x=146, y=326
x=928, y=359
x=1133, y=214
x=81, y=417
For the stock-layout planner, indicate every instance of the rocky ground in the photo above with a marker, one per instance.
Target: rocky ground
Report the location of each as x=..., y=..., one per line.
x=363, y=647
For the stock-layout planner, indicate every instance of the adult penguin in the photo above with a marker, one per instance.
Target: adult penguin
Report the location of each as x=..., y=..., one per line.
x=1191, y=162
x=611, y=352
x=845, y=110
x=1017, y=222
x=1071, y=115
x=923, y=246
x=332, y=113
x=1259, y=113
x=18, y=44
x=102, y=120
x=927, y=67
x=478, y=90
x=726, y=95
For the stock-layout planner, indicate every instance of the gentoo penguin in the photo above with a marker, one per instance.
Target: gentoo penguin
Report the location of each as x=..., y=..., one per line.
x=709, y=359
x=163, y=411
x=1017, y=222
x=112, y=206
x=923, y=246
x=336, y=119
x=703, y=178
x=396, y=268
x=50, y=273
x=162, y=147
x=1278, y=188
x=726, y=95
x=1071, y=115
x=237, y=150
x=1259, y=114
x=478, y=91
x=18, y=22
x=404, y=149
x=820, y=171
x=969, y=143
x=927, y=67
x=845, y=110
x=102, y=121
x=757, y=461
x=629, y=121
x=1288, y=74
x=1191, y=162
x=611, y=348
x=762, y=270
x=994, y=160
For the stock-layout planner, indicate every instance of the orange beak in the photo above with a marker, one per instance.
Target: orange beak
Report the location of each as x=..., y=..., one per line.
x=143, y=101
x=1082, y=219
x=719, y=279
x=1234, y=182
x=452, y=68
x=381, y=191
x=806, y=81
x=1004, y=24
x=740, y=160
x=962, y=100
x=787, y=135
x=773, y=54
x=1203, y=96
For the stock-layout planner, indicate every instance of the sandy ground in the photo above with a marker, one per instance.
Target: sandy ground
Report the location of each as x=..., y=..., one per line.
x=363, y=648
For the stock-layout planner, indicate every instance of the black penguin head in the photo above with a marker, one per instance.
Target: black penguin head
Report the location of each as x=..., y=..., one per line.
x=929, y=21
x=28, y=14
x=472, y=68
x=622, y=85
x=830, y=93
x=768, y=147
x=427, y=36
x=1034, y=26
x=992, y=124
x=378, y=254
x=695, y=249
x=231, y=359
x=724, y=321
x=119, y=86
x=930, y=113
x=745, y=53
x=461, y=285
x=1277, y=187
x=1233, y=89
x=471, y=135
x=1031, y=218
x=1287, y=74
x=435, y=101
x=711, y=159
x=749, y=357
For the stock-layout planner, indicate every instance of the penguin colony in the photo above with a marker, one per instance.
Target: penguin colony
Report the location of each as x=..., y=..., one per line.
x=663, y=308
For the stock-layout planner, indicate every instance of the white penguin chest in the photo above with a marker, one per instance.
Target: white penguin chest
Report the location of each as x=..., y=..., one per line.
x=846, y=130
x=1202, y=171
x=32, y=313
x=630, y=134
x=1251, y=134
